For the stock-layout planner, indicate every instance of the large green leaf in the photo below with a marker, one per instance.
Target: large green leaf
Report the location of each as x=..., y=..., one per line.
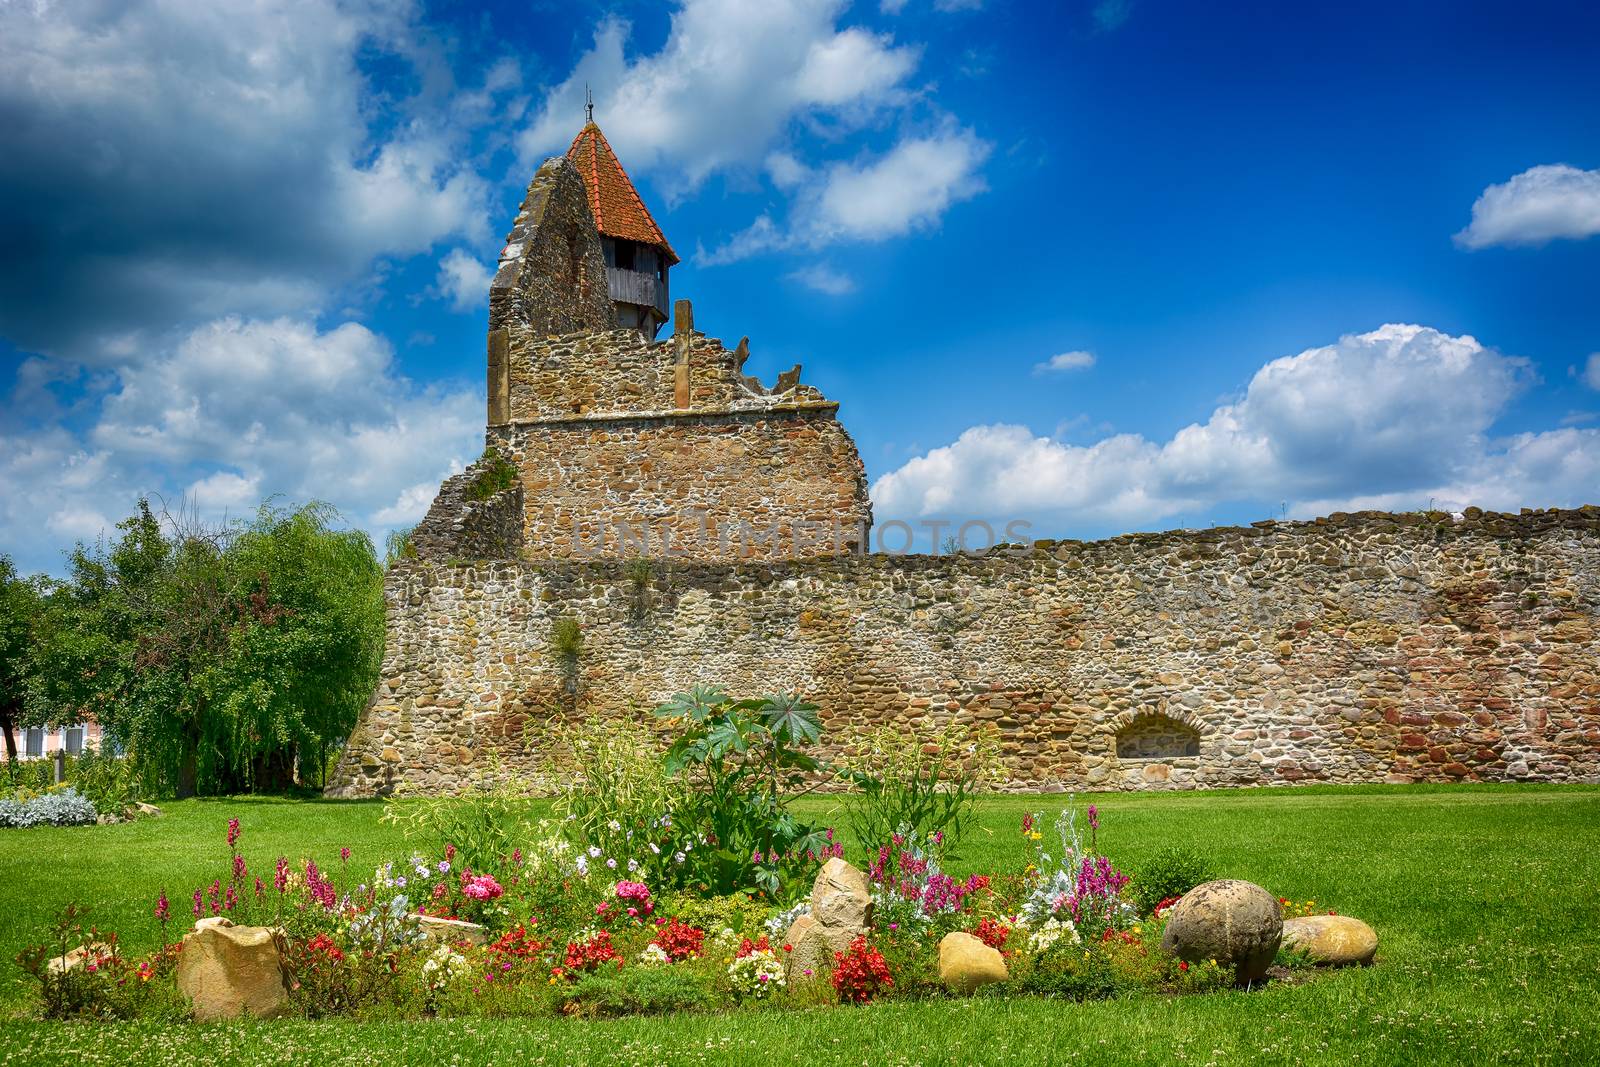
x=699, y=704
x=791, y=719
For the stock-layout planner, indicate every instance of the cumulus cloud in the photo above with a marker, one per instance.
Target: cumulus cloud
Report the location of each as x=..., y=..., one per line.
x=726, y=86
x=1591, y=371
x=1065, y=361
x=1539, y=205
x=1391, y=418
x=238, y=410
x=908, y=188
x=169, y=163
x=464, y=280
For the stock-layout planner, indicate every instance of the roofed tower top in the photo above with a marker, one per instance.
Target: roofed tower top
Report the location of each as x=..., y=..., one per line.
x=619, y=212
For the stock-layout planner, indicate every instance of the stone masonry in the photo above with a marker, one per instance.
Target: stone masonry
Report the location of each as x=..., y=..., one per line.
x=1359, y=648
x=702, y=527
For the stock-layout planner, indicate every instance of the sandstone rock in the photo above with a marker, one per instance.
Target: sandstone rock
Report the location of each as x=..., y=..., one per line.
x=79, y=957
x=840, y=898
x=1334, y=940
x=148, y=810
x=811, y=950
x=227, y=971
x=965, y=963
x=1234, y=922
x=450, y=931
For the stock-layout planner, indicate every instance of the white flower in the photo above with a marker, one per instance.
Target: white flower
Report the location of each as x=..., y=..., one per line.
x=614, y=825
x=757, y=974
x=654, y=848
x=594, y=851
x=678, y=857
x=1051, y=932
x=612, y=863
x=654, y=955
x=583, y=866
x=633, y=865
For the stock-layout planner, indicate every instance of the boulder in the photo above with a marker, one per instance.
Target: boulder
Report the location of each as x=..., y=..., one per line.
x=450, y=931
x=841, y=911
x=965, y=963
x=227, y=971
x=1236, y=923
x=1333, y=940
x=148, y=810
x=840, y=897
x=78, y=958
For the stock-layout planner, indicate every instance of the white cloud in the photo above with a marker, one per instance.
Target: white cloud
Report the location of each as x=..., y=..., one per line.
x=725, y=88
x=908, y=188
x=236, y=411
x=168, y=163
x=1065, y=361
x=1541, y=204
x=824, y=279
x=464, y=280
x=1591, y=371
x=1390, y=418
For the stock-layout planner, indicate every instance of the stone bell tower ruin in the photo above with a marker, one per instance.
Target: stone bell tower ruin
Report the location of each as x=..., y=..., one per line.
x=624, y=446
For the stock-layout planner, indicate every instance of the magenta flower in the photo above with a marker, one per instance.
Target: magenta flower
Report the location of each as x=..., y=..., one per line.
x=281, y=881
x=1094, y=817
x=163, y=910
x=238, y=867
x=481, y=887
x=198, y=898
x=233, y=832
x=344, y=855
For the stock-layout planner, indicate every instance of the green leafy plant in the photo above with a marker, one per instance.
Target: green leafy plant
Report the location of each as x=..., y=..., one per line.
x=917, y=783
x=613, y=791
x=745, y=764
x=494, y=474
x=566, y=642
x=398, y=547
x=639, y=991
x=1171, y=872
x=485, y=826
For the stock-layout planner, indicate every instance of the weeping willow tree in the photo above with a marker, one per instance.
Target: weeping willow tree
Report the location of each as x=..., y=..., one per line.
x=220, y=658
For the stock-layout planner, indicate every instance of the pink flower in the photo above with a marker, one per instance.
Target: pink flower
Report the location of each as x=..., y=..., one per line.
x=163, y=910
x=481, y=887
x=233, y=832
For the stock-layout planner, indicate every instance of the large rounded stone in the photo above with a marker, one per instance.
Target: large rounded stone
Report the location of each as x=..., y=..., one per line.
x=965, y=963
x=227, y=971
x=1236, y=923
x=1334, y=940
x=450, y=931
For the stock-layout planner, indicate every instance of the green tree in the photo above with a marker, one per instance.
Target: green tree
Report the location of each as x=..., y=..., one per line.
x=20, y=608
x=217, y=656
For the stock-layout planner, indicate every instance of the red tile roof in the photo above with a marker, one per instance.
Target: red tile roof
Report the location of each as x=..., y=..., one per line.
x=618, y=211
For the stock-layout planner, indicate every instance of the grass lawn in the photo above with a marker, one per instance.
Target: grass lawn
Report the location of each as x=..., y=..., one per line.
x=1486, y=900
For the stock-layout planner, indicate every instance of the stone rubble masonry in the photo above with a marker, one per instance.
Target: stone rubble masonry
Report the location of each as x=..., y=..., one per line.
x=458, y=528
x=1357, y=648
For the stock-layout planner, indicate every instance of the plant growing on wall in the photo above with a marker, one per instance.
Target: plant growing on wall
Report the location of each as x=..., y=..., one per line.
x=495, y=474
x=745, y=763
x=639, y=574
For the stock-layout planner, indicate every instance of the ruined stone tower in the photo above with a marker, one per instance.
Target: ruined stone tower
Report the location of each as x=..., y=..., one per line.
x=624, y=446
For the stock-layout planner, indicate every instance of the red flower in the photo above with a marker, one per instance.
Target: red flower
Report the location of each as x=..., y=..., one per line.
x=860, y=973
x=993, y=933
x=679, y=941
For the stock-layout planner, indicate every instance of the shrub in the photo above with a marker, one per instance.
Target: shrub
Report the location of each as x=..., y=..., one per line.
x=485, y=827
x=916, y=783
x=1171, y=872
x=638, y=991
x=59, y=807
x=108, y=781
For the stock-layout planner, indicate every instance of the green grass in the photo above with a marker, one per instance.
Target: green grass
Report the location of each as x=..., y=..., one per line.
x=1486, y=900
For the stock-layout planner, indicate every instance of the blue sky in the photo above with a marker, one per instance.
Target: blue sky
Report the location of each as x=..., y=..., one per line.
x=1104, y=266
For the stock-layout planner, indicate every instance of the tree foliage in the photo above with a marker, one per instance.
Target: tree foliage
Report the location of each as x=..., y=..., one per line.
x=21, y=602
x=218, y=657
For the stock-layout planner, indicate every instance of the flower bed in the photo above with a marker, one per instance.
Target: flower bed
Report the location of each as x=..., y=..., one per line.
x=676, y=881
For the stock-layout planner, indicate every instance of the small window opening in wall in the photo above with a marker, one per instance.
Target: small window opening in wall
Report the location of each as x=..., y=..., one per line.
x=625, y=254
x=1157, y=737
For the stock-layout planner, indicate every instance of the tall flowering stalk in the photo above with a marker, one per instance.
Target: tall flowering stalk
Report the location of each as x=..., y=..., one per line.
x=163, y=913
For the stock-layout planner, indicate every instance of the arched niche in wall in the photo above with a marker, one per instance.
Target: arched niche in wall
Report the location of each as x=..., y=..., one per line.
x=1156, y=736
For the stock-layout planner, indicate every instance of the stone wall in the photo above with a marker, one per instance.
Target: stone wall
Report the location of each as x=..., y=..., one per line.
x=1361, y=648
x=460, y=527
x=551, y=278
x=630, y=447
